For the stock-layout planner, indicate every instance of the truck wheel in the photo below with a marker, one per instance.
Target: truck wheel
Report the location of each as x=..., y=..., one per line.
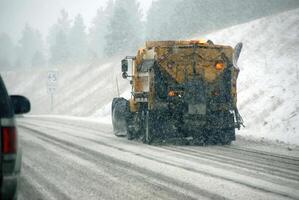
x=120, y=114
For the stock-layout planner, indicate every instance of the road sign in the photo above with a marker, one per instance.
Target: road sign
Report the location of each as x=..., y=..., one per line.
x=51, y=85
x=52, y=79
x=52, y=76
x=51, y=89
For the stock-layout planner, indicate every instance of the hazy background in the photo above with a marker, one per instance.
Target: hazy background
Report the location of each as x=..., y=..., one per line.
x=41, y=14
x=47, y=33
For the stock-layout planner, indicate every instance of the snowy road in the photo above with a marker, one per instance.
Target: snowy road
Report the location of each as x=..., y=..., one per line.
x=80, y=159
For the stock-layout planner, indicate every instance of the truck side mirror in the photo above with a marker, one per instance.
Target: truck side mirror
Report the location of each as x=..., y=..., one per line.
x=124, y=65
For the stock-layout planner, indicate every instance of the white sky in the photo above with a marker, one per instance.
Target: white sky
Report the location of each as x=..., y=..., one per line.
x=41, y=14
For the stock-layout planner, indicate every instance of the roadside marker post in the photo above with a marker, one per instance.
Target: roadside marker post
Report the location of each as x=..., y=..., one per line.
x=51, y=85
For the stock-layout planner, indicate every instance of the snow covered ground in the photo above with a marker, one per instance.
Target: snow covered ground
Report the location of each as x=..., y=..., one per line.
x=80, y=90
x=75, y=158
x=269, y=79
x=268, y=82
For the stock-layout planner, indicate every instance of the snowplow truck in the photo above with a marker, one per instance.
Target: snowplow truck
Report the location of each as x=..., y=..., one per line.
x=180, y=89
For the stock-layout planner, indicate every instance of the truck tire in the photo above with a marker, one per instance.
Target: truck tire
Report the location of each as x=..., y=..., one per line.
x=120, y=114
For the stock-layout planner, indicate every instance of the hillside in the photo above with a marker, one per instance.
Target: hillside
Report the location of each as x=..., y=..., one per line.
x=268, y=83
x=268, y=93
x=80, y=90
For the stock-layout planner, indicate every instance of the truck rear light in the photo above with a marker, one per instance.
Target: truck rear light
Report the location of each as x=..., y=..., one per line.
x=219, y=65
x=9, y=135
x=171, y=93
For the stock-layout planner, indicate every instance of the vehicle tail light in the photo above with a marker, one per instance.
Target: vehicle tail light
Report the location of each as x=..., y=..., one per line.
x=9, y=140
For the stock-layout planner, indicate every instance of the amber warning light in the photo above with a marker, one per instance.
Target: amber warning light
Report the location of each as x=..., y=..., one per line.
x=219, y=65
x=171, y=93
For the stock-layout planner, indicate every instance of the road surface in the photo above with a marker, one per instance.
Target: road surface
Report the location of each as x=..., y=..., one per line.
x=80, y=159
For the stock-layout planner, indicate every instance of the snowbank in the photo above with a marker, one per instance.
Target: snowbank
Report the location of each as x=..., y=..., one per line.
x=268, y=93
x=80, y=90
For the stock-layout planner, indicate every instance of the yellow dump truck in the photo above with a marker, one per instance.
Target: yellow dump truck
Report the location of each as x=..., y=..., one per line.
x=180, y=89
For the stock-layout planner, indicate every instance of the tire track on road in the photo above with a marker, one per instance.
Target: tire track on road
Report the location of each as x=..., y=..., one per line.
x=244, y=151
x=35, y=190
x=265, y=167
x=289, y=171
x=97, y=157
x=179, y=166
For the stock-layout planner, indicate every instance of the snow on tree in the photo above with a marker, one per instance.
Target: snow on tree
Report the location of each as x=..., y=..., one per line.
x=98, y=31
x=30, y=43
x=124, y=28
x=133, y=8
x=182, y=18
x=158, y=20
x=38, y=59
x=58, y=40
x=6, y=52
x=78, y=41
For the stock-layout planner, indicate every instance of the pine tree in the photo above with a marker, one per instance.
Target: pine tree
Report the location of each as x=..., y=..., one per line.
x=38, y=59
x=6, y=52
x=158, y=25
x=58, y=40
x=199, y=16
x=179, y=19
x=98, y=31
x=124, y=29
x=133, y=8
x=30, y=43
x=59, y=50
x=78, y=41
x=192, y=16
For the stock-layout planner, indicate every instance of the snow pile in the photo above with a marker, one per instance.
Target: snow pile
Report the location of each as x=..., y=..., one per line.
x=268, y=93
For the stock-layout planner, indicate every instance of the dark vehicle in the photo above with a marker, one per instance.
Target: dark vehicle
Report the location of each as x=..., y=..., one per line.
x=10, y=154
x=180, y=89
